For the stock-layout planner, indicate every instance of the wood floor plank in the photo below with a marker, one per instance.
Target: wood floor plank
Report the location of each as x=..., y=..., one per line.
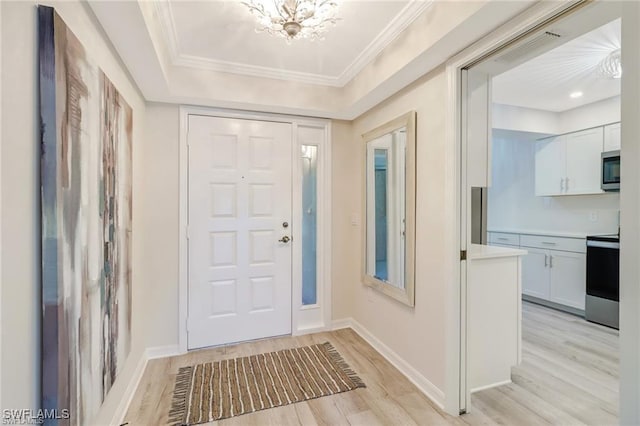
x=569, y=376
x=365, y=418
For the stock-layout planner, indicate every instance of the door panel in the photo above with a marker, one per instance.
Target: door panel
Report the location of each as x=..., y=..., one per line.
x=550, y=166
x=535, y=273
x=583, y=161
x=239, y=196
x=568, y=278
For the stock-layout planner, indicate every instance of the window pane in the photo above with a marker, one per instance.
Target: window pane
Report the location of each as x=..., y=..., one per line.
x=309, y=223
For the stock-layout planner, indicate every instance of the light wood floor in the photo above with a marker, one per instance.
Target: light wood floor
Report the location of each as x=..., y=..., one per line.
x=569, y=376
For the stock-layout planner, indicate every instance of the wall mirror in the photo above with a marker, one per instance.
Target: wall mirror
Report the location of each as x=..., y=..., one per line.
x=389, y=206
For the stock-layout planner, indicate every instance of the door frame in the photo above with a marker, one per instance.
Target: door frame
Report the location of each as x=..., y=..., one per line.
x=457, y=397
x=304, y=319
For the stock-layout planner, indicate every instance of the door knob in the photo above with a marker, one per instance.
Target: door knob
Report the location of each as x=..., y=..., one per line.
x=284, y=239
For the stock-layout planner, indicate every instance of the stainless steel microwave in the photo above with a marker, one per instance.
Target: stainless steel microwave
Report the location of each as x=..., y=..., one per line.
x=610, y=176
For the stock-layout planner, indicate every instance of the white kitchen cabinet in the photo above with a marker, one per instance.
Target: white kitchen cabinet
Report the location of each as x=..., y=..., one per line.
x=611, y=137
x=567, y=278
x=550, y=166
x=583, y=158
x=569, y=164
x=535, y=273
x=503, y=239
x=554, y=269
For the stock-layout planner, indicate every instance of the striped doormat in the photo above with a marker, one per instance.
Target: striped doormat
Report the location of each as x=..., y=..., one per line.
x=222, y=389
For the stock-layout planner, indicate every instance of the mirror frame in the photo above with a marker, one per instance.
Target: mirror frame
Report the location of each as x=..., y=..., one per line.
x=404, y=295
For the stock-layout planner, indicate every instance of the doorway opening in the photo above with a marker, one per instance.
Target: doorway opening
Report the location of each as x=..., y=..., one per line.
x=539, y=116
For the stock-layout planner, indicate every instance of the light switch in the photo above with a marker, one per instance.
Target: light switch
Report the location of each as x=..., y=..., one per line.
x=354, y=219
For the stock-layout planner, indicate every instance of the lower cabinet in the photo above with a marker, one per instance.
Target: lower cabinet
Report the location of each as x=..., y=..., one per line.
x=535, y=273
x=556, y=274
x=568, y=278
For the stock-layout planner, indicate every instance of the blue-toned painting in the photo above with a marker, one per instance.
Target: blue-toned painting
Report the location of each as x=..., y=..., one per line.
x=86, y=140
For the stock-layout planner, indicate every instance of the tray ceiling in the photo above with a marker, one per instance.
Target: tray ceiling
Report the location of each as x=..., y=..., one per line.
x=221, y=36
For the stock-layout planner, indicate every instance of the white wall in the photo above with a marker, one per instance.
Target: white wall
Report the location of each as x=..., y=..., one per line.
x=630, y=220
x=159, y=206
x=508, y=117
x=591, y=115
x=20, y=298
x=417, y=334
x=346, y=205
x=512, y=204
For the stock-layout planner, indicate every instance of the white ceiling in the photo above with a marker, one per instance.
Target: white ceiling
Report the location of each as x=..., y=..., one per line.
x=221, y=36
x=207, y=53
x=546, y=81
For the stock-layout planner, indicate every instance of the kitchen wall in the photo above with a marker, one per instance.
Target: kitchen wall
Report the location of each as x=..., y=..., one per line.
x=512, y=202
x=20, y=153
x=508, y=117
x=595, y=114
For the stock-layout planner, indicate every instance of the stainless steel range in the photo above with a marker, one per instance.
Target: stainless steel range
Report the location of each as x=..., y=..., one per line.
x=603, y=280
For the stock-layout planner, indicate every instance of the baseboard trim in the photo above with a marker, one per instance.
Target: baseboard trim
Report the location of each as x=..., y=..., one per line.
x=341, y=323
x=310, y=330
x=493, y=385
x=162, y=351
x=148, y=354
x=422, y=383
x=121, y=411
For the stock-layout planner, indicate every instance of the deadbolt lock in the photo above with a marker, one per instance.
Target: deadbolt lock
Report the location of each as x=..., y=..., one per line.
x=285, y=224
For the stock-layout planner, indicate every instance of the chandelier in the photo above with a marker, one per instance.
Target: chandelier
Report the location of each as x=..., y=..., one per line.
x=611, y=65
x=294, y=18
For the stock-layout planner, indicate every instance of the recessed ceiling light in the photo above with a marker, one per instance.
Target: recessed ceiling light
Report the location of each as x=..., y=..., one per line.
x=575, y=95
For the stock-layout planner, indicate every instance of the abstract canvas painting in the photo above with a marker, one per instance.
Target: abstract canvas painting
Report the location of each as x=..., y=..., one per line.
x=86, y=142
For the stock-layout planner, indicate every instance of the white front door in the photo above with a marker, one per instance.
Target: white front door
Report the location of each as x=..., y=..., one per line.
x=239, y=230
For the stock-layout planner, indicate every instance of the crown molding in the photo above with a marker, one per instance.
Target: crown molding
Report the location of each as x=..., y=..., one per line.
x=254, y=70
x=389, y=33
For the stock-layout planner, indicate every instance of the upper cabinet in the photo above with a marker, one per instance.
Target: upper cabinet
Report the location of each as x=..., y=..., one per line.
x=551, y=166
x=569, y=164
x=612, y=137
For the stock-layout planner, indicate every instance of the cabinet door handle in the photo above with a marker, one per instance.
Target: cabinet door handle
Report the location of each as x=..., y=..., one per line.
x=545, y=260
x=561, y=184
x=566, y=184
x=503, y=239
x=550, y=261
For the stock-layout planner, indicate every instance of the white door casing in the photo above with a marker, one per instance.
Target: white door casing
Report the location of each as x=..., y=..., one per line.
x=239, y=196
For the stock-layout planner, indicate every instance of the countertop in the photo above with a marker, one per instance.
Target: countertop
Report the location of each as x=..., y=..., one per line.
x=479, y=251
x=548, y=233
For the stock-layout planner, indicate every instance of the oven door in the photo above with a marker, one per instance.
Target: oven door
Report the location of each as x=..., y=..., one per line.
x=603, y=271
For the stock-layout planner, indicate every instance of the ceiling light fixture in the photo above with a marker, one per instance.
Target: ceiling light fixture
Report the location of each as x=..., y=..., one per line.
x=576, y=95
x=294, y=18
x=611, y=65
